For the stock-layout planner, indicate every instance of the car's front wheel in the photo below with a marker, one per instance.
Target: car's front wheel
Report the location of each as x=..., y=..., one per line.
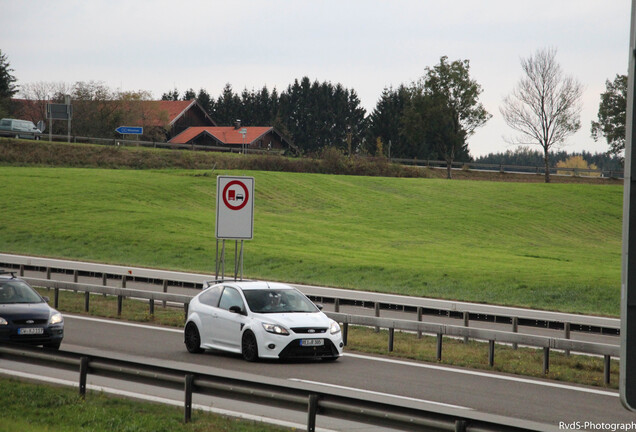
x=249, y=346
x=192, y=339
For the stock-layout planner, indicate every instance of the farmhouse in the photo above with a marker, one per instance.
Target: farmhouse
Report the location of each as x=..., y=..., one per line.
x=263, y=138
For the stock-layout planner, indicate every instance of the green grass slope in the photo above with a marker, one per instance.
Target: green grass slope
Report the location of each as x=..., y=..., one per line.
x=549, y=246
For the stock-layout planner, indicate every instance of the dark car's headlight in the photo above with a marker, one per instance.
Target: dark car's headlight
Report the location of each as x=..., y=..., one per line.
x=275, y=328
x=56, y=318
x=3, y=321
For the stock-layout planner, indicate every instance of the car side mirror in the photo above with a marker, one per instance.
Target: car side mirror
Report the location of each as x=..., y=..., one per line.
x=46, y=299
x=319, y=306
x=236, y=309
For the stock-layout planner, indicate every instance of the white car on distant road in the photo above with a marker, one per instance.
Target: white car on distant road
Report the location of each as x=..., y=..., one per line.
x=260, y=320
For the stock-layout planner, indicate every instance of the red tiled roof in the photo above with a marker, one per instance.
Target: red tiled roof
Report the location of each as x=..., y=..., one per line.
x=225, y=134
x=174, y=108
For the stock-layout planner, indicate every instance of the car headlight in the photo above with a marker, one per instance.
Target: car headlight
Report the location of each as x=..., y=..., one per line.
x=275, y=328
x=334, y=327
x=56, y=318
x=3, y=321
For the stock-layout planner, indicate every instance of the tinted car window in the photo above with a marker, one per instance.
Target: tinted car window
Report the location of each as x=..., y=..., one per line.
x=229, y=298
x=18, y=292
x=211, y=296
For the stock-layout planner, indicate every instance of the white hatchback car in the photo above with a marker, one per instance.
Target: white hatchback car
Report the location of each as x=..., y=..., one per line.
x=260, y=320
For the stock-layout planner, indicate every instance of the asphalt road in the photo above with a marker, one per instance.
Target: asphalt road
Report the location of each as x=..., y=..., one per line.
x=537, y=400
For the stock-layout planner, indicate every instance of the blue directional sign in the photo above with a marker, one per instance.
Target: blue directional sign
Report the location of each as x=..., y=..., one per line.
x=130, y=130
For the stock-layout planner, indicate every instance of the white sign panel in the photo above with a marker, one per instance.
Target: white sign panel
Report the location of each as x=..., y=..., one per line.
x=234, y=207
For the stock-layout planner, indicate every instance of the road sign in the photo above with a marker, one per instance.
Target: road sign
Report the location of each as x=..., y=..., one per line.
x=55, y=111
x=130, y=130
x=234, y=207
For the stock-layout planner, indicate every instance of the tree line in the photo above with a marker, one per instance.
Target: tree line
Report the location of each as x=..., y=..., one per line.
x=431, y=118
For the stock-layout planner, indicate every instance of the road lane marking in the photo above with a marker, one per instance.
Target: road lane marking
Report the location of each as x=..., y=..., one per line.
x=123, y=323
x=486, y=374
x=394, y=361
x=357, y=390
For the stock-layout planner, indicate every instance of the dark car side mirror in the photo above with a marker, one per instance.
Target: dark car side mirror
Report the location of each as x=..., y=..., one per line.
x=319, y=306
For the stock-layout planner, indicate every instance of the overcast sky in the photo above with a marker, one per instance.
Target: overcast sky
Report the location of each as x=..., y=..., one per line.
x=365, y=45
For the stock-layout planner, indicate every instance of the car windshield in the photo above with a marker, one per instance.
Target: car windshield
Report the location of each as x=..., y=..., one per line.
x=278, y=301
x=15, y=291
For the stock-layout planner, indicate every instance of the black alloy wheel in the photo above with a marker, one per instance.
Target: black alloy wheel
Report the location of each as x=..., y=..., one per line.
x=192, y=339
x=249, y=346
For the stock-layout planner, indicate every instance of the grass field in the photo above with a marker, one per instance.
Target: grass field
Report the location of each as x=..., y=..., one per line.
x=549, y=246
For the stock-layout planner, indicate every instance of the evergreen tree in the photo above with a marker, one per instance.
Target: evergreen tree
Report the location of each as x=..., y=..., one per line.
x=385, y=122
x=172, y=95
x=7, y=84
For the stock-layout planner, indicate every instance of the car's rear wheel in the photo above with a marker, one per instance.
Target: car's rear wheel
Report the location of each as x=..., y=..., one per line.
x=192, y=339
x=249, y=346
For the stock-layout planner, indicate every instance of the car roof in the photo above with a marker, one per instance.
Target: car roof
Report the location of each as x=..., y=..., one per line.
x=256, y=285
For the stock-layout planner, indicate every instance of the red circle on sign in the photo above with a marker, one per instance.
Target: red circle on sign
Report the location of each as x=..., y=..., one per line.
x=245, y=198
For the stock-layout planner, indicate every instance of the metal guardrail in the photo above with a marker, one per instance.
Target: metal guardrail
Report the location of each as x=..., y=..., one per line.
x=440, y=330
x=516, y=169
x=337, y=403
x=422, y=306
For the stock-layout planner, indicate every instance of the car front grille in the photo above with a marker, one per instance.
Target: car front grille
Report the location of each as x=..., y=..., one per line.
x=309, y=330
x=31, y=321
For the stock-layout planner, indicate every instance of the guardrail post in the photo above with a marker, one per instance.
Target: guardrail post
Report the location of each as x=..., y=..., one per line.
x=189, y=379
x=515, y=329
x=165, y=290
x=104, y=279
x=345, y=332
x=460, y=425
x=82, y=376
x=86, y=300
x=123, y=281
x=312, y=410
x=546, y=360
x=439, y=347
x=466, y=322
x=21, y=270
x=185, y=309
x=566, y=335
x=377, y=314
x=491, y=353
x=48, y=272
x=606, y=369
x=119, y=304
x=152, y=306
x=336, y=305
x=391, y=338
x=419, y=318
x=75, y=276
x=56, y=297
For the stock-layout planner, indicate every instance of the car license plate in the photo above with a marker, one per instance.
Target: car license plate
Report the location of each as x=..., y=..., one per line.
x=30, y=331
x=312, y=342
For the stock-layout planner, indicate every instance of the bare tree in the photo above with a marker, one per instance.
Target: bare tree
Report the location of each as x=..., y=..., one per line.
x=545, y=106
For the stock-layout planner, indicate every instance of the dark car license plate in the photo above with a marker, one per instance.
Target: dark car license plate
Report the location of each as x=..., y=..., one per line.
x=31, y=331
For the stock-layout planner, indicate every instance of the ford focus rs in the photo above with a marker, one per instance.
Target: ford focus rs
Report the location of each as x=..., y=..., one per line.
x=260, y=320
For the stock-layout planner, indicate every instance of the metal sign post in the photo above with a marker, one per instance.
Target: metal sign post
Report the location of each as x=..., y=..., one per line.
x=234, y=219
x=627, y=381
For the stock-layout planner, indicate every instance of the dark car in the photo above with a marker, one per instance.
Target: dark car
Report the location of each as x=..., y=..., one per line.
x=25, y=316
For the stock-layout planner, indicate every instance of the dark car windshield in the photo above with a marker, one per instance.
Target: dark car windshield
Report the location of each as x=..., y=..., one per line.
x=278, y=301
x=15, y=291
